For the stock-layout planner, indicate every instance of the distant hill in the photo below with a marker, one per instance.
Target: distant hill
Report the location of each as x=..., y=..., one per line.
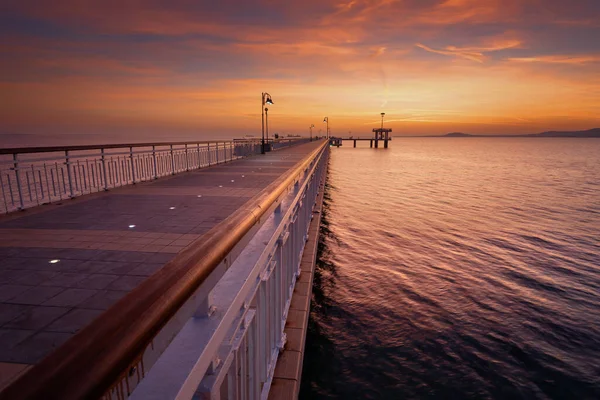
x=591, y=133
x=457, y=134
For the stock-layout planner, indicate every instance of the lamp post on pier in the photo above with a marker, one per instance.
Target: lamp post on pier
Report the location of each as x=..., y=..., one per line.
x=265, y=99
x=267, y=125
x=311, y=126
x=326, y=119
x=382, y=115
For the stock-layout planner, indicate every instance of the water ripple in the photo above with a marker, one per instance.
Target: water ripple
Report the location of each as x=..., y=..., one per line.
x=459, y=269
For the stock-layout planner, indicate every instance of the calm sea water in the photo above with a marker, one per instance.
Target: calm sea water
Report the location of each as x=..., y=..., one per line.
x=460, y=268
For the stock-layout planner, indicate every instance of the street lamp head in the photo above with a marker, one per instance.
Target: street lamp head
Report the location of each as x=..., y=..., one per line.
x=269, y=100
x=326, y=119
x=382, y=114
x=312, y=125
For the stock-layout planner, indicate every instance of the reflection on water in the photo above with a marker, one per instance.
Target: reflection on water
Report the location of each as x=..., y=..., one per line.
x=459, y=268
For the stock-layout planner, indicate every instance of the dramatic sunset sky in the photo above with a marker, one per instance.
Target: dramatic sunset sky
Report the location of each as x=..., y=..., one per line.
x=183, y=67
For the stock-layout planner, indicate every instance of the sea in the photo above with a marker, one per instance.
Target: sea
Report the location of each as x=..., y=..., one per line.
x=458, y=268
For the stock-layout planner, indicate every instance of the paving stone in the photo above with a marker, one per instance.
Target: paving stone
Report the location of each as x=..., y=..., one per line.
x=9, y=312
x=34, y=278
x=74, y=320
x=103, y=299
x=295, y=339
x=120, y=268
x=34, y=348
x=145, y=269
x=70, y=297
x=36, y=295
x=287, y=365
x=35, y=318
x=283, y=389
x=97, y=281
x=7, y=292
x=126, y=283
x=96, y=266
x=65, y=279
x=9, y=338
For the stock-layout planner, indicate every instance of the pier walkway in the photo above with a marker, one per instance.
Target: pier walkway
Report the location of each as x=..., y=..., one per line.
x=63, y=265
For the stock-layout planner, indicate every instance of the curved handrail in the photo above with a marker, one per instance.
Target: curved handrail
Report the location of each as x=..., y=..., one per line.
x=89, y=363
x=54, y=149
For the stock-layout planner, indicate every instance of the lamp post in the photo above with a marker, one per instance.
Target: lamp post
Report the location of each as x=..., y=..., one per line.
x=382, y=115
x=326, y=119
x=267, y=125
x=311, y=126
x=265, y=99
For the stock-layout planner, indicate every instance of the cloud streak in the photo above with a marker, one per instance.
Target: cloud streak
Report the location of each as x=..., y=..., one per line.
x=477, y=54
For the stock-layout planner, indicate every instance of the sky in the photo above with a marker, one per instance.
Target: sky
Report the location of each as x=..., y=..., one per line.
x=181, y=67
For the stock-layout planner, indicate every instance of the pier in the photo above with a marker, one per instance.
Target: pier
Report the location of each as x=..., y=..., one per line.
x=373, y=141
x=158, y=271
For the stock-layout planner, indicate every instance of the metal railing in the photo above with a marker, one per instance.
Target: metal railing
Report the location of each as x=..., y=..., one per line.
x=209, y=324
x=41, y=175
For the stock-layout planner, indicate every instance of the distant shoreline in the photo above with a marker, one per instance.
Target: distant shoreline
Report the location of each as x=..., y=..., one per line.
x=591, y=133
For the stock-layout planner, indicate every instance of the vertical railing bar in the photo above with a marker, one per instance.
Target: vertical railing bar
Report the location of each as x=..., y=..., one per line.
x=28, y=185
x=75, y=176
x=93, y=172
x=132, y=167
x=68, y=164
x=88, y=177
x=12, y=196
x=82, y=183
x=4, y=193
x=187, y=166
x=18, y=179
x=172, y=161
x=64, y=182
x=154, y=161
x=104, y=172
x=52, y=176
x=41, y=184
x=34, y=186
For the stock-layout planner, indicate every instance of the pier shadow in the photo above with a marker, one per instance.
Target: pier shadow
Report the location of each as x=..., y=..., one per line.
x=319, y=348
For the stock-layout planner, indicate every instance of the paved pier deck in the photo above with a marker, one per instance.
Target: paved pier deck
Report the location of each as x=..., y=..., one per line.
x=62, y=265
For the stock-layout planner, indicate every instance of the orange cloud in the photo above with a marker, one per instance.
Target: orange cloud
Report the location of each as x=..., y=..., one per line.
x=572, y=60
x=472, y=53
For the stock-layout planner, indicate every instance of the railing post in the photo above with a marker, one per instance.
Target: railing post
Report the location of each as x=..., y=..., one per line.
x=209, y=154
x=132, y=167
x=217, y=153
x=104, y=169
x=172, y=161
x=187, y=165
x=199, y=158
x=68, y=164
x=17, y=176
x=154, y=162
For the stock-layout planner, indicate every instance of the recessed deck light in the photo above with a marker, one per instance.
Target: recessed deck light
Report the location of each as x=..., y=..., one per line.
x=131, y=226
x=171, y=208
x=54, y=261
